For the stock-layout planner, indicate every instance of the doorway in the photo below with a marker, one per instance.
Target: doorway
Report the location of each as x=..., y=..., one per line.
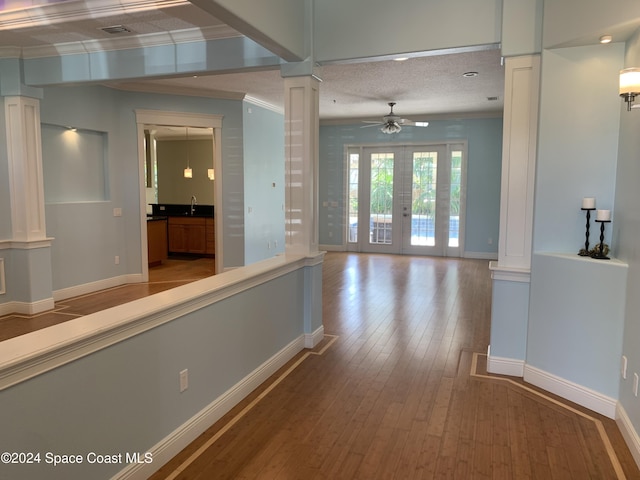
x=146, y=118
x=407, y=199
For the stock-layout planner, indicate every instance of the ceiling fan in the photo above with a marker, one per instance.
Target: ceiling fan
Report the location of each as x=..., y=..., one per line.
x=392, y=123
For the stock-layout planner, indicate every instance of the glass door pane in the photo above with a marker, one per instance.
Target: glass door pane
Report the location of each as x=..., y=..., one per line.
x=454, y=202
x=381, y=199
x=423, y=198
x=425, y=207
x=354, y=170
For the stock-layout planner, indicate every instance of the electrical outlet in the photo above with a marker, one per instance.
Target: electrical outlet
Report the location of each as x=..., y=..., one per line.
x=117, y=212
x=490, y=241
x=635, y=384
x=184, y=380
x=117, y=259
x=623, y=367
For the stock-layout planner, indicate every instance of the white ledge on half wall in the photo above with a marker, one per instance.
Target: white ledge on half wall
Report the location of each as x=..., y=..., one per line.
x=34, y=353
x=577, y=258
x=511, y=274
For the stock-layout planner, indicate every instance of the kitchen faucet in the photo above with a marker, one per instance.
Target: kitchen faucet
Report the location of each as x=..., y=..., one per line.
x=194, y=202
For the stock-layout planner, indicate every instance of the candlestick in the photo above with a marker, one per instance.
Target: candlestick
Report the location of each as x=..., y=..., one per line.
x=601, y=255
x=585, y=251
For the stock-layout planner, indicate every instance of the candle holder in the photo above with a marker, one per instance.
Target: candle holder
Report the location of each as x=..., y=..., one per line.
x=584, y=252
x=601, y=255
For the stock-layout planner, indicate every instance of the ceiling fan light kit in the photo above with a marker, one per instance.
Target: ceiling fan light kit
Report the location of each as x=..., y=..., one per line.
x=390, y=128
x=392, y=123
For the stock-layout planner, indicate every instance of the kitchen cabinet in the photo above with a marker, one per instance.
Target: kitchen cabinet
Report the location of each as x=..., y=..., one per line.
x=191, y=235
x=157, y=247
x=210, y=235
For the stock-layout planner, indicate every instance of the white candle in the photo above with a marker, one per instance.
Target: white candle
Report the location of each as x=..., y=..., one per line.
x=588, y=202
x=603, y=215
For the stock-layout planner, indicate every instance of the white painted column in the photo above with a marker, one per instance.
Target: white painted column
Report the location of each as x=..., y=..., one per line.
x=302, y=131
x=520, y=136
x=24, y=151
x=29, y=282
x=511, y=273
x=301, y=170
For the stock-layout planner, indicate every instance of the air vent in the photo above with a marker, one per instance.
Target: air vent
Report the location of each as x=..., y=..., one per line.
x=492, y=99
x=115, y=29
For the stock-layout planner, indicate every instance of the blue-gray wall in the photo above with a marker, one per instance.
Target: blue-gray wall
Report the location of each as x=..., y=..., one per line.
x=87, y=235
x=125, y=398
x=263, y=133
x=576, y=155
x=626, y=228
x=362, y=28
x=576, y=340
x=484, y=161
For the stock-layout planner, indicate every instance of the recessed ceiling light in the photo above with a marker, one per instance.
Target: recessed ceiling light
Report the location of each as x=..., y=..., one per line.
x=401, y=59
x=606, y=39
x=470, y=74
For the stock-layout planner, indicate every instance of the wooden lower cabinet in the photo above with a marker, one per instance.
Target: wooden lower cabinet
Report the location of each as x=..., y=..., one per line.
x=189, y=235
x=157, y=248
x=210, y=237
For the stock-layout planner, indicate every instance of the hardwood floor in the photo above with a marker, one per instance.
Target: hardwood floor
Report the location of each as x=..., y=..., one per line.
x=172, y=273
x=398, y=389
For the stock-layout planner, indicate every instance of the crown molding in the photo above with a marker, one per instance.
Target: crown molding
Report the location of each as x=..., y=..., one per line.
x=266, y=105
x=176, y=90
x=10, y=52
x=125, y=43
x=52, y=13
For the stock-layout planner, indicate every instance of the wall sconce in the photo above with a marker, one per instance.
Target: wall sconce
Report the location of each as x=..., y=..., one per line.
x=211, y=174
x=629, y=85
x=188, y=172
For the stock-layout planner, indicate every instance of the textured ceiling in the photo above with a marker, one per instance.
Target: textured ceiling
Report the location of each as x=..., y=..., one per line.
x=421, y=87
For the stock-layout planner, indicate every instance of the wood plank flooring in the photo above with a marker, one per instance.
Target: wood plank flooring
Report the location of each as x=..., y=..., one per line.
x=172, y=273
x=398, y=389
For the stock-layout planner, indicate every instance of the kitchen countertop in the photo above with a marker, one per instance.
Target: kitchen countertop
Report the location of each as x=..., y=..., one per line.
x=181, y=210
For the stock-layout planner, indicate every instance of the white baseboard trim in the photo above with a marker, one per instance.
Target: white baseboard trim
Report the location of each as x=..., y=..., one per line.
x=33, y=308
x=481, y=255
x=629, y=433
x=579, y=394
x=27, y=308
x=313, y=339
x=171, y=445
x=91, y=287
x=505, y=366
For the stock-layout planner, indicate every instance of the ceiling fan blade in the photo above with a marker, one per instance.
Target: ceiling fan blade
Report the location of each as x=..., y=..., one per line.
x=414, y=123
x=378, y=124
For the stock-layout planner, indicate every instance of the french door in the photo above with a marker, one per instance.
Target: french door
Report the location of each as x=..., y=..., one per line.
x=406, y=199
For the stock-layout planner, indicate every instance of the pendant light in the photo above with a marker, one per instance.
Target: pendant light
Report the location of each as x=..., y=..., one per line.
x=188, y=172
